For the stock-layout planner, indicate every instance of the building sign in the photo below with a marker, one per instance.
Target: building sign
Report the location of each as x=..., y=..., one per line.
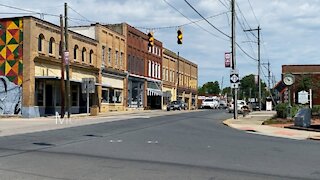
x=227, y=59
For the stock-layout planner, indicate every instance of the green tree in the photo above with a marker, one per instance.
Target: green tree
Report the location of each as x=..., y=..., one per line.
x=210, y=88
x=249, y=89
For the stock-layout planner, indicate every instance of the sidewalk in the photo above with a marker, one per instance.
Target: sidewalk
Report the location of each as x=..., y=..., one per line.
x=15, y=125
x=253, y=123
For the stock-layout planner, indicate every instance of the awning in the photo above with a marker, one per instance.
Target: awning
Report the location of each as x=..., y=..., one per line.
x=154, y=92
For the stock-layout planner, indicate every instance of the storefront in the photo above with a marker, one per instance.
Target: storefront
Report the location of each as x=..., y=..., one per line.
x=112, y=97
x=136, y=92
x=154, y=94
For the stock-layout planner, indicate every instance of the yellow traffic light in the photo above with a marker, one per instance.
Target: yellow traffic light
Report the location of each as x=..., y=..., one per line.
x=151, y=39
x=179, y=36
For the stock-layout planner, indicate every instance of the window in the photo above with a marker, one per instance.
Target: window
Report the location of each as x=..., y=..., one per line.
x=91, y=56
x=103, y=58
x=39, y=93
x=74, y=95
x=155, y=70
x=109, y=56
x=129, y=63
x=121, y=55
x=149, y=68
x=105, y=95
x=75, y=51
x=40, y=42
x=60, y=48
x=118, y=96
x=163, y=73
x=83, y=57
x=116, y=57
x=51, y=46
x=167, y=74
x=159, y=71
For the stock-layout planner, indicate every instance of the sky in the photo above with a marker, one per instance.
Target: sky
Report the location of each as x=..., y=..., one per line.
x=289, y=29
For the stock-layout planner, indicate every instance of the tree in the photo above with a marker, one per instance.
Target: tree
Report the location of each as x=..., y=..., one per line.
x=210, y=88
x=249, y=89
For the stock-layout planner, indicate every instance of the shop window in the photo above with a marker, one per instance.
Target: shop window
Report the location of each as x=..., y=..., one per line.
x=118, y=95
x=105, y=96
x=39, y=93
x=74, y=95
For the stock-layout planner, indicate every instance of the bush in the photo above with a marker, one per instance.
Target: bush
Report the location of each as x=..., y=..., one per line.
x=315, y=110
x=281, y=110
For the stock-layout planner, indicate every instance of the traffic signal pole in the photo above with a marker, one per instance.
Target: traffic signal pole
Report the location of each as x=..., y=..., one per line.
x=233, y=52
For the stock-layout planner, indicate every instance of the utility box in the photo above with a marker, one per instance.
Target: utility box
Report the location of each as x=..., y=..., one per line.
x=303, y=118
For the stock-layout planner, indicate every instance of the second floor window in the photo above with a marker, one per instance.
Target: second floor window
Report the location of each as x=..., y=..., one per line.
x=91, y=57
x=109, y=55
x=116, y=57
x=103, y=54
x=75, y=51
x=40, y=42
x=83, y=54
x=51, y=46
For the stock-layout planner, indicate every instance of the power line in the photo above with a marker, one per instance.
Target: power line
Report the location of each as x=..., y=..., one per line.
x=207, y=20
x=245, y=52
x=193, y=21
x=253, y=12
x=185, y=24
x=79, y=14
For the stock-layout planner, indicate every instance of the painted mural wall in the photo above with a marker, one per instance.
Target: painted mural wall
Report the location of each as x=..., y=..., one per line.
x=11, y=65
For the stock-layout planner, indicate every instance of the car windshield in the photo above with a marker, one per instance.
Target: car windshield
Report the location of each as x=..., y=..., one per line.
x=208, y=100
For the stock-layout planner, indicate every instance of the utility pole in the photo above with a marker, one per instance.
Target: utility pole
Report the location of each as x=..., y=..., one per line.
x=66, y=51
x=233, y=45
x=259, y=64
x=62, y=68
x=178, y=78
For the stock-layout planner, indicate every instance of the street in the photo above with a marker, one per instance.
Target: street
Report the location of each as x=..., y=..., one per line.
x=190, y=145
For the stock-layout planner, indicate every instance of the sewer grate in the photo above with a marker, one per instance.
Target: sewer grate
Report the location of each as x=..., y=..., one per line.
x=43, y=144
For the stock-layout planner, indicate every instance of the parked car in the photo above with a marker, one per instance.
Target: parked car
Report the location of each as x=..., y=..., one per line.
x=222, y=104
x=210, y=103
x=176, y=105
x=254, y=106
x=241, y=106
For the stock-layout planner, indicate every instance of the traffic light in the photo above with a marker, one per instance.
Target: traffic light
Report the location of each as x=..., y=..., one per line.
x=179, y=36
x=151, y=39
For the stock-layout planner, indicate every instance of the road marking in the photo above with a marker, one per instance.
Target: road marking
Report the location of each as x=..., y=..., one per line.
x=152, y=142
x=116, y=141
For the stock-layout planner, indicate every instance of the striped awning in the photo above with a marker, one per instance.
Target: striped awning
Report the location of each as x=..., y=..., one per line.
x=154, y=92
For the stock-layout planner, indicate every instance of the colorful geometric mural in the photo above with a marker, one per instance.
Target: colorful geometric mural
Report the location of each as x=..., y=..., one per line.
x=11, y=65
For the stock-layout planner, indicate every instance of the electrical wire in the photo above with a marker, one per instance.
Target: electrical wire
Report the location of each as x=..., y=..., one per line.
x=207, y=20
x=194, y=22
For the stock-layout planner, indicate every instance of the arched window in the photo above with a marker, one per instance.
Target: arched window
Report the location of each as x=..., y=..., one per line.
x=60, y=48
x=75, y=52
x=51, y=46
x=91, y=56
x=40, y=42
x=83, y=54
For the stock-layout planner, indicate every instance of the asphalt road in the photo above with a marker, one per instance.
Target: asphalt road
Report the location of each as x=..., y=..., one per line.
x=192, y=145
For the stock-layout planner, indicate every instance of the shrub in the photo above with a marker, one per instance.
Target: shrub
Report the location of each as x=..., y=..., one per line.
x=281, y=110
x=315, y=109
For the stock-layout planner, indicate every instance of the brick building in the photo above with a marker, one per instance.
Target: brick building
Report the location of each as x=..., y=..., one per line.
x=306, y=77
x=144, y=66
x=33, y=64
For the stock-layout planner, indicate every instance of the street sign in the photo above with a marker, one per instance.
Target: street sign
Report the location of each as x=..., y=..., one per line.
x=88, y=84
x=234, y=79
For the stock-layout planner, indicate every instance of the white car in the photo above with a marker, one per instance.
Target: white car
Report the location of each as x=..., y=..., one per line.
x=241, y=105
x=210, y=103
